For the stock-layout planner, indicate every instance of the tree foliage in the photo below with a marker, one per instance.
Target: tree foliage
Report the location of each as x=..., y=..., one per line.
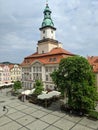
x=75, y=75
x=17, y=85
x=38, y=87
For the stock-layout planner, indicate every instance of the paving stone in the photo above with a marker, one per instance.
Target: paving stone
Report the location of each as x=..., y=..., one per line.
x=59, y=113
x=64, y=124
x=4, y=120
x=36, y=106
x=80, y=127
x=2, y=112
x=37, y=125
x=52, y=128
x=14, y=104
x=25, y=120
x=24, y=128
x=46, y=110
x=29, y=110
x=90, y=123
x=11, y=126
x=7, y=102
x=10, y=110
x=72, y=118
x=16, y=115
x=50, y=118
x=28, y=116
x=38, y=114
x=21, y=107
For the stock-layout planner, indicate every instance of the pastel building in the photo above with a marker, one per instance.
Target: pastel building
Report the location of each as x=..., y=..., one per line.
x=93, y=60
x=15, y=72
x=1, y=75
x=5, y=74
x=46, y=59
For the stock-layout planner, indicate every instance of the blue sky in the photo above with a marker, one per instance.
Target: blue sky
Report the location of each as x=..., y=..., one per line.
x=76, y=22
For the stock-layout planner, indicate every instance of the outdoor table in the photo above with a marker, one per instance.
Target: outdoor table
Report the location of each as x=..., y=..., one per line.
x=45, y=97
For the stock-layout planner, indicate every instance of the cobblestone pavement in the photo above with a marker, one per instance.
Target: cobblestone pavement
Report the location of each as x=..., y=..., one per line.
x=26, y=116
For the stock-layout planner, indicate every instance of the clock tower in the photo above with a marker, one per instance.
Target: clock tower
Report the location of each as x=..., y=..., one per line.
x=47, y=30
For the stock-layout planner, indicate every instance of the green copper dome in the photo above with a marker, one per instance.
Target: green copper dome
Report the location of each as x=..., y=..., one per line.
x=47, y=8
x=47, y=21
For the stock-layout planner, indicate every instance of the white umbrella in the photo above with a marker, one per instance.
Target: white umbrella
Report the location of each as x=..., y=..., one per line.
x=26, y=92
x=32, y=90
x=54, y=93
x=1, y=85
x=44, y=96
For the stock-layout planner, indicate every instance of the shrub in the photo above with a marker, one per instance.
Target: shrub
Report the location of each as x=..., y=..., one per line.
x=38, y=87
x=17, y=85
x=93, y=114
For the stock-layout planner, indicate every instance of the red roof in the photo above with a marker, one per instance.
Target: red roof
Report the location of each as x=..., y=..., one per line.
x=52, y=57
x=93, y=60
x=11, y=66
x=2, y=65
x=55, y=51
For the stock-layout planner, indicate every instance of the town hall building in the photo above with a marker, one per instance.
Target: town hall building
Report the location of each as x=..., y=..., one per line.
x=46, y=59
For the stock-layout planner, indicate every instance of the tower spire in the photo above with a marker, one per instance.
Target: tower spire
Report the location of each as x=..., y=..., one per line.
x=47, y=28
x=47, y=21
x=46, y=2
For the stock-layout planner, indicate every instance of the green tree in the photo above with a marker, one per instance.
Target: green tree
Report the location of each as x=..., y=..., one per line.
x=17, y=85
x=75, y=76
x=38, y=87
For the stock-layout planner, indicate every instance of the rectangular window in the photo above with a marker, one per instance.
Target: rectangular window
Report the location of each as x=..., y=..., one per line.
x=54, y=59
x=46, y=77
x=43, y=31
x=50, y=69
x=50, y=60
x=46, y=69
x=33, y=69
x=40, y=69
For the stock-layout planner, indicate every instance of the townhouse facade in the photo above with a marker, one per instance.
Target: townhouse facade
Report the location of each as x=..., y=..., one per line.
x=15, y=72
x=9, y=73
x=4, y=74
x=1, y=75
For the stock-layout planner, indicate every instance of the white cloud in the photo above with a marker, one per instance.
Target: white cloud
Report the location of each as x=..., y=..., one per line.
x=73, y=4
x=76, y=22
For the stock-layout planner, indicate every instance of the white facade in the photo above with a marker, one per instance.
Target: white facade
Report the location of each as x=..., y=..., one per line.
x=5, y=74
x=15, y=73
x=9, y=73
x=45, y=47
x=47, y=33
x=38, y=71
x=1, y=75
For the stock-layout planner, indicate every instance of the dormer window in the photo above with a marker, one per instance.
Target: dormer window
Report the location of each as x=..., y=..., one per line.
x=52, y=59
